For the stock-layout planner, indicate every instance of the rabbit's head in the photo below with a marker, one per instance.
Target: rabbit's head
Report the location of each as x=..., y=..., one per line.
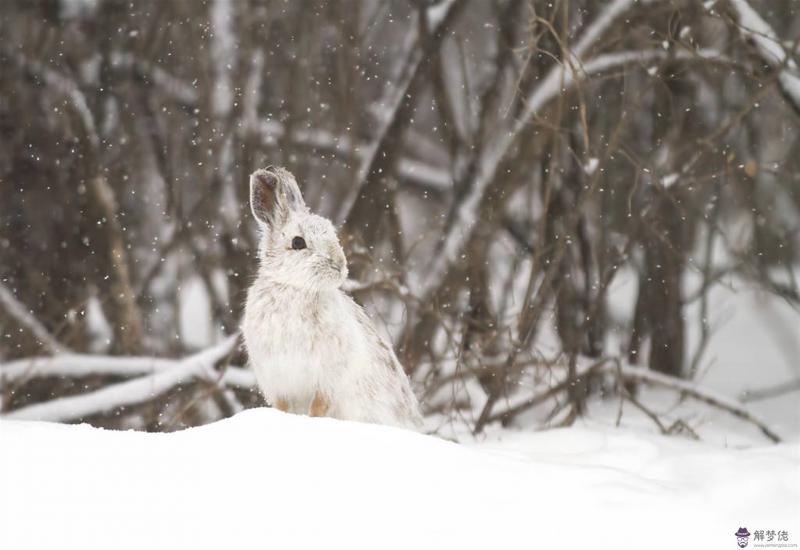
x=297, y=248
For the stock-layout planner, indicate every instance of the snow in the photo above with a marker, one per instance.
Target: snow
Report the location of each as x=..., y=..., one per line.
x=669, y=180
x=267, y=479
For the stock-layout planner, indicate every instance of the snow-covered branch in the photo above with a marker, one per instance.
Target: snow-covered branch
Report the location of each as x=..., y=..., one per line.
x=558, y=82
x=166, y=376
x=78, y=364
x=755, y=30
x=17, y=311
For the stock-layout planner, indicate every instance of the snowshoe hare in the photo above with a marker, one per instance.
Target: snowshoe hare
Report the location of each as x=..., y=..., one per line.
x=313, y=349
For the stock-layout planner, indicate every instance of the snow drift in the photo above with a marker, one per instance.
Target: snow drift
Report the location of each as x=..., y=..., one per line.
x=264, y=479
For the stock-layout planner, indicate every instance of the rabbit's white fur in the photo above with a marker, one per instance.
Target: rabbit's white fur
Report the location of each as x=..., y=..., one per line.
x=304, y=335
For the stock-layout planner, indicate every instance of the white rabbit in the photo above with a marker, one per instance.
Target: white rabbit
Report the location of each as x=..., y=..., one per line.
x=313, y=349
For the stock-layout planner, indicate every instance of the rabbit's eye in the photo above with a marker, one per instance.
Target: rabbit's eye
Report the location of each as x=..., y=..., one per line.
x=298, y=243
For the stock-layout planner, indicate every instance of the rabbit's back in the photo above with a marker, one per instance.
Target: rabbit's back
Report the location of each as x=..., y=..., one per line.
x=384, y=383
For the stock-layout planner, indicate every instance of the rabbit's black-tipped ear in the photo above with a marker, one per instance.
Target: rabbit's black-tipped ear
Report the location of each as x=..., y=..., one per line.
x=274, y=194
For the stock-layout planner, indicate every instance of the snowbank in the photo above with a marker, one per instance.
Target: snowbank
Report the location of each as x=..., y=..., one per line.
x=264, y=479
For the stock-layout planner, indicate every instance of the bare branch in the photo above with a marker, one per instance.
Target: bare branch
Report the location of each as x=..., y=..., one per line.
x=612, y=366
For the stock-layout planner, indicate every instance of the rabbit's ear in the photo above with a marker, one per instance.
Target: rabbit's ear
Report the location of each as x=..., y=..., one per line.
x=289, y=190
x=274, y=194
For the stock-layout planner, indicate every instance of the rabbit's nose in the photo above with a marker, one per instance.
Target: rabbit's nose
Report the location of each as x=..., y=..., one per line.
x=336, y=255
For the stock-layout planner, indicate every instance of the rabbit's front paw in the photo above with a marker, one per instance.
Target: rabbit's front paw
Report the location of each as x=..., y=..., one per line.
x=281, y=404
x=319, y=406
